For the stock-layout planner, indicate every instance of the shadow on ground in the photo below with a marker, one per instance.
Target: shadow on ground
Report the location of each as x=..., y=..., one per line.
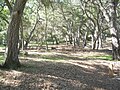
x=46, y=75
x=83, y=55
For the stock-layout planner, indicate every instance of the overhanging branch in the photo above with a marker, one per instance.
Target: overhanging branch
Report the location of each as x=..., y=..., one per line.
x=9, y=5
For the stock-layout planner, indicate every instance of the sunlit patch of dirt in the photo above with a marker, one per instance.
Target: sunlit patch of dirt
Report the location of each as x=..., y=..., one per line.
x=69, y=71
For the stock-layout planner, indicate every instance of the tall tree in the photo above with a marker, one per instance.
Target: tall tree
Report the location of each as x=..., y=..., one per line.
x=16, y=11
x=113, y=30
x=111, y=17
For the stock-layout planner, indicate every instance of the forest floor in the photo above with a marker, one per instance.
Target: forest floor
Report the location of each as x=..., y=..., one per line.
x=61, y=70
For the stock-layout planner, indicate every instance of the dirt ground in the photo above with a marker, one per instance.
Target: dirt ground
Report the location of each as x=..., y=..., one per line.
x=60, y=71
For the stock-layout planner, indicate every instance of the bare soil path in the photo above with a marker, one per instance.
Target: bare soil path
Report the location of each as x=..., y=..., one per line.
x=54, y=70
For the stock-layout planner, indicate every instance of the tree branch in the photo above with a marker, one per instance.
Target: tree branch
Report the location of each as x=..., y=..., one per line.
x=9, y=5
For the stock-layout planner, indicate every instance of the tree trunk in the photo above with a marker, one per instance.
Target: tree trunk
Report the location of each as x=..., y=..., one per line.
x=31, y=34
x=93, y=41
x=85, y=39
x=99, y=42
x=111, y=19
x=66, y=39
x=78, y=37
x=114, y=30
x=12, y=60
x=21, y=43
x=46, y=27
x=74, y=40
x=70, y=34
x=56, y=40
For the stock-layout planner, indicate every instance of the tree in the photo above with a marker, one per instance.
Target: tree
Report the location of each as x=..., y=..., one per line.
x=111, y=18
x=12, y=60
x=30, y=21
x=114, y=30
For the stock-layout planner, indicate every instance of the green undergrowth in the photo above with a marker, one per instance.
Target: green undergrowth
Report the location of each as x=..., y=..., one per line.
x=55, y=57
x=50, y=57
x=103, y=57
x=67, y=57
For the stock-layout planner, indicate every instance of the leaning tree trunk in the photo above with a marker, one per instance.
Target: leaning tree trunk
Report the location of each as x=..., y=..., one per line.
x=111, y=19
x=30, y=35
x=12, y=60
x=114, y=31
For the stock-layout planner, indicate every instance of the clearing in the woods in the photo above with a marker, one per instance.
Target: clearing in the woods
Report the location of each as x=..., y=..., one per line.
x=61, y=70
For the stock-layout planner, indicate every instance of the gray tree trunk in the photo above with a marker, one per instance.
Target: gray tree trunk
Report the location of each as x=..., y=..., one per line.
x=111, y=19
x=113, y=30
x=12, y=60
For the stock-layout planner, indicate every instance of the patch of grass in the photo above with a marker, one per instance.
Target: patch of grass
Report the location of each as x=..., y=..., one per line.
x=2, y=46
x=103, y=57
x=50, y=57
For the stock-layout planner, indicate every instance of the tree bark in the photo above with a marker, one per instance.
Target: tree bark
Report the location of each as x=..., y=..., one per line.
x=30, y=36
x=46, y=27
x=114, y=31
x=85, y=39
x=78, y=37
x=111, y=19
x=22, y=38
x=12, y=60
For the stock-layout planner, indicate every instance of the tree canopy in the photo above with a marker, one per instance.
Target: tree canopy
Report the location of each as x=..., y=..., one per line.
x=80, y=23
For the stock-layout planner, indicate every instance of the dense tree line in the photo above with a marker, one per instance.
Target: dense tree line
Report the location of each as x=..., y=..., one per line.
x=44, y=22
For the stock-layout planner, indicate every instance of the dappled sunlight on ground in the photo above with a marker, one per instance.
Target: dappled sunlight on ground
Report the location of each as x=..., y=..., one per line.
x=81, y=64
x=10, y=78
x=59, y=71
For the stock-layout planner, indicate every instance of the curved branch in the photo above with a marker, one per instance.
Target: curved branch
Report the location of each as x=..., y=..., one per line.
x=9, y=5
